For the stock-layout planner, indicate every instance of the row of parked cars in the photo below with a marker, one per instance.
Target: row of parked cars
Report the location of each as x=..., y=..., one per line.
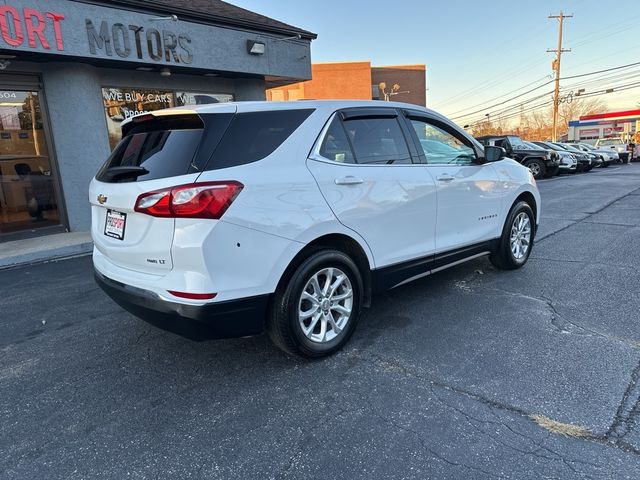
x=546, y=159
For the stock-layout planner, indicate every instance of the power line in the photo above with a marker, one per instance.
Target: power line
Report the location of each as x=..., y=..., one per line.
x=545, y=84
x=507, y=93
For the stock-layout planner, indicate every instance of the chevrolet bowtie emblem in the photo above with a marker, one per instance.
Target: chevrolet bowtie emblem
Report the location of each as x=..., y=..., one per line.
x=102, y=199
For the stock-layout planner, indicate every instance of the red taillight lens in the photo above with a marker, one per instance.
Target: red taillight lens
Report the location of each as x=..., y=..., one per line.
x=193, y=296
x=196, y=200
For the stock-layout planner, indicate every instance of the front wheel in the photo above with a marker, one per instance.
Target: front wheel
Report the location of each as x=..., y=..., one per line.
x=316, y=311
x=536, y=167
x=516, y=241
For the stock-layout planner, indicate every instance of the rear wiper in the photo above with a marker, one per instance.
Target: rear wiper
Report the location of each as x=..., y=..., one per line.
x=115, y=173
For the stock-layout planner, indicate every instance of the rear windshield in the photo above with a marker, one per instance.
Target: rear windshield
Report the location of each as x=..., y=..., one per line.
x=611, y=141
x=163, y=146
x=253, y=136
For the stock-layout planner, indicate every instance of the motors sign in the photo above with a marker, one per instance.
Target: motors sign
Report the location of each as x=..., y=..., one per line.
x=134, y=41
x=40, y=29
x=93, y=32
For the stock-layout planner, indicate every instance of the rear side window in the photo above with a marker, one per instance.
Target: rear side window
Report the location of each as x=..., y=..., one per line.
x=377, y=140
x=164, y=147
x=335, y=145
x=253, y=136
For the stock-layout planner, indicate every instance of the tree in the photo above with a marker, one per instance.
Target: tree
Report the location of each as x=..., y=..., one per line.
x=538, y=124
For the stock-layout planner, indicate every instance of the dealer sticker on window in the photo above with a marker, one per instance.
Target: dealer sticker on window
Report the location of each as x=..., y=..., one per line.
x=114, y=226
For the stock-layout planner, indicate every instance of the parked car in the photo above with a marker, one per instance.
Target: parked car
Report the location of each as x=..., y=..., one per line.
x=584, y=161
x=541, y=162
x=553, y=153
x=608, y=156
x=596, y=159
x=568, y=162
x=228, y=219
x=616, y=144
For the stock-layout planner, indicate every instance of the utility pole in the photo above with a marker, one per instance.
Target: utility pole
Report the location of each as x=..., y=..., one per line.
x=556, y=68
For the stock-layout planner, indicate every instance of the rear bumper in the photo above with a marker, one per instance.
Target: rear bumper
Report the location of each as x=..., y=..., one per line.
x=227, y=319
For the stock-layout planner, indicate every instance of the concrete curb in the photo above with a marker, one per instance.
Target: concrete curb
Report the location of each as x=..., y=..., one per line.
x=42, y=249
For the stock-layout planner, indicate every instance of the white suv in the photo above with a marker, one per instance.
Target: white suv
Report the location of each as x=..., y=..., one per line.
x=230, y=219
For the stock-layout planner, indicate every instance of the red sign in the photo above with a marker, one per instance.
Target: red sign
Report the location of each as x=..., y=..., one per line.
x=609, y=131
x=590, y=132
x=13, y=25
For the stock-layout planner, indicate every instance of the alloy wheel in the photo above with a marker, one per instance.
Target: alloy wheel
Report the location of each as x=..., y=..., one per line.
x=520, y=238
x=534, y=168
x=325, y=305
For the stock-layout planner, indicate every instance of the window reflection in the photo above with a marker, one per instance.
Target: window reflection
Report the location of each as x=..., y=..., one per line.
x=27, y=193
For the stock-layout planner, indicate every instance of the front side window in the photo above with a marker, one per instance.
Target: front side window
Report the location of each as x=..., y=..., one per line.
x=441, y=147
x=377, y=141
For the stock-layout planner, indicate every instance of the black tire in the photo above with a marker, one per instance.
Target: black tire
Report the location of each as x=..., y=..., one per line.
x=283, y=324
x=503, y=258
x=553, y=172
x=605, y=164
x=537, y=168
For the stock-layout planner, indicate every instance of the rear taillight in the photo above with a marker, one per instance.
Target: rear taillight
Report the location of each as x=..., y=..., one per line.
x=193, y=296
x=196, y=200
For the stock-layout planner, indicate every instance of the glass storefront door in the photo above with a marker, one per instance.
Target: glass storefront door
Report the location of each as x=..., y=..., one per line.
x=28, y=200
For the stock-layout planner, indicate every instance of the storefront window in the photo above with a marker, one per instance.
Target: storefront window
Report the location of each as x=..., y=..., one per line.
x=27, y=191
x=123, y=103
x=191, y=98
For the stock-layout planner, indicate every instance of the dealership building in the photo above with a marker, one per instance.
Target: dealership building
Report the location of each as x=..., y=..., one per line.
x=589, y=128
x=72, y=71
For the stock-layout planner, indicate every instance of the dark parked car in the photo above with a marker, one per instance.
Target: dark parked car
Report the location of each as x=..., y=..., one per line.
x=568, y=163
x=608, y=156
x=542, y=162
x=585, y=161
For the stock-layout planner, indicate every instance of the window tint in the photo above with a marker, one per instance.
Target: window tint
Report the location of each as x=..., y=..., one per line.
x=253, y=136
x=377, y=140
x=163, y=153
x=441, y=147
x=335, y=145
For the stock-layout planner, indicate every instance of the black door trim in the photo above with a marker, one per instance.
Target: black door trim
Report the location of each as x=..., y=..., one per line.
x=391, y=276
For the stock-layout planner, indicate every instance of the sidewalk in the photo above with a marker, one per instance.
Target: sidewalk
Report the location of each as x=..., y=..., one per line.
x=50, y=247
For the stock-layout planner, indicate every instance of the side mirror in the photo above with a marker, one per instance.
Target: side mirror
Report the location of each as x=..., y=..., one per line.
x=493, y=154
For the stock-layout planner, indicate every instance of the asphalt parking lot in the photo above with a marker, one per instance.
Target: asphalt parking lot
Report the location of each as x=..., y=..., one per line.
x=470, y=373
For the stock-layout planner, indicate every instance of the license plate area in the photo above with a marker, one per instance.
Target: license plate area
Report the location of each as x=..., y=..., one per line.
x=115, y=224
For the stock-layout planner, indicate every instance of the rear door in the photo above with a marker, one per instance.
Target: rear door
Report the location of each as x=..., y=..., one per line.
x=364, y=168
x=156, y=152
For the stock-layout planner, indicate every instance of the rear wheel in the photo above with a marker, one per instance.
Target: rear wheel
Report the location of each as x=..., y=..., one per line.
x=536, y=167
x=316, y=311
x=517, y=238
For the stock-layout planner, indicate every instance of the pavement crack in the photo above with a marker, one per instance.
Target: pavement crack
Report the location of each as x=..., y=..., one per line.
x=434, y=453
x=589, y=215
x=627, y=412
x=563, y=325
x=536, y=452
x=601, y=439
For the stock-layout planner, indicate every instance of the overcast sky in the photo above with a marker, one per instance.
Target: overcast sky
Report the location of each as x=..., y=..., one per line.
x=475, y=51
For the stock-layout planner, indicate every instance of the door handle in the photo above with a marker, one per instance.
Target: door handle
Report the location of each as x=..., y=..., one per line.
x=349, y=180
x=445, y=178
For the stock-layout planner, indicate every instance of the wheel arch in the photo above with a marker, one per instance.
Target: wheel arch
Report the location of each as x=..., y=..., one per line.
x=342, y=243
x=530, y=199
